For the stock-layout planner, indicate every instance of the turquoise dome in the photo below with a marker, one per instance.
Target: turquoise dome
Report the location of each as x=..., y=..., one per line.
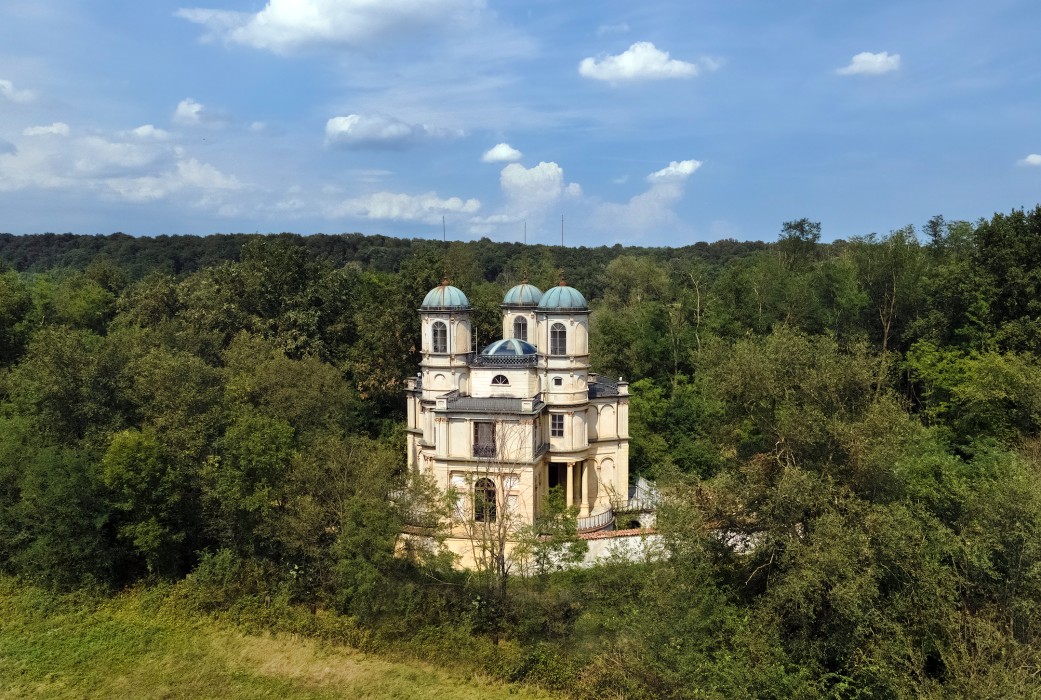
x=509, y=346
x=523, y=294
x=563, y=297
x=445, y=296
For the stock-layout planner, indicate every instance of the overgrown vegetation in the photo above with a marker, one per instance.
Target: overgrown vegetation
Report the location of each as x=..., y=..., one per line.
x=847, y=436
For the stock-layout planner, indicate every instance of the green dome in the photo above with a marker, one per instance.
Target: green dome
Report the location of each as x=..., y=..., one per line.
x=563, y=297
x=510, y=347
x=445, y=296
x=523, y=294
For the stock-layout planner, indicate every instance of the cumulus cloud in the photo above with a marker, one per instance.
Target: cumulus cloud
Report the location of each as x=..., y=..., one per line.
x=94, y=155
x=189, y=112
x=866, y=63
x=126, y=167
x=188, y=174
x=149, y=132
x=650, y=209
x=1032, y=159
x=536, y=189
x=377, y=131
x=676, y=171
x=427, y=208
x=501, y=153
x=55, y=129
x=641, y=61
x=8, y=92
x=284, y=25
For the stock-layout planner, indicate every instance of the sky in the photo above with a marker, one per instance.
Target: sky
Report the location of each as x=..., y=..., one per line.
x=642, y=123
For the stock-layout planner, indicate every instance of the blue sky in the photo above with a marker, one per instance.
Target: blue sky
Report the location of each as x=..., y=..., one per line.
x=651, y=123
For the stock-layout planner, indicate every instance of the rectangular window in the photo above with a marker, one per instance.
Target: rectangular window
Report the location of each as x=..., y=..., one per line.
x=440, y=336
x=557, y=339
x=556, y=426
x=484, y=439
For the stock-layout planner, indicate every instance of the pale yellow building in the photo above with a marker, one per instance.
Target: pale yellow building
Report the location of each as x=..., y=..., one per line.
x=499, y=428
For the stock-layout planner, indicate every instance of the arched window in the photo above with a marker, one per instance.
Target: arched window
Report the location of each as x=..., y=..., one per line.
x=520, y=328
x=557, y=339
x=500, y=380
x=484, y=501
x=440, y=333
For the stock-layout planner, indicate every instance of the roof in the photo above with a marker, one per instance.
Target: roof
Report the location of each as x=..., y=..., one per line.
x=510, y=346
x=445, y=296
x=523, y=294
x=563, y=297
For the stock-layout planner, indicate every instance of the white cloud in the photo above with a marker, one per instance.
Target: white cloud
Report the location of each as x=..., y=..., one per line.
x=651, y=209
x=427, y=208
x=377, y=131
x=534, y=190
x=189, y=112
x=641, y=61
x=675, y=171
x=55, y=129
x=501, y=153
x=128, y=167
x=7, y=148
x=866, y=63
x=284, y=25
x=94, y=155
x=149, y=132
x=1032, y=159
x=8, y=91
x=189, y=174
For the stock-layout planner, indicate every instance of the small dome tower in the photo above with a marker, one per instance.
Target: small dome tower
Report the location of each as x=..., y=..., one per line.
x=562, y=321
x=518, y=312
x=446, y=340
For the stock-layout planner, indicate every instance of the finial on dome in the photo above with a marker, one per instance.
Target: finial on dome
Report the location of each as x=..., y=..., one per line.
x=444, y=281
x=563, y=281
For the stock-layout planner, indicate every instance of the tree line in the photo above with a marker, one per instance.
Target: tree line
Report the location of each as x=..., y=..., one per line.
x=846, y=436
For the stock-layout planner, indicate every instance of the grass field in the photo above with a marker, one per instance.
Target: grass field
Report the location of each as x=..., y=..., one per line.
x=84, y=647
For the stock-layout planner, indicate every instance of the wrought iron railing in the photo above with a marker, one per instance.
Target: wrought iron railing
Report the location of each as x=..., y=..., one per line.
x=483, y=450
x=597, y=521
x=483, y=405
x=504, y=360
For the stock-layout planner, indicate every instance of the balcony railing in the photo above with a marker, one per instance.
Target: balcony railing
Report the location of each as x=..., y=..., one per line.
x=483, y=450
x=504, y=360
x=595, y=522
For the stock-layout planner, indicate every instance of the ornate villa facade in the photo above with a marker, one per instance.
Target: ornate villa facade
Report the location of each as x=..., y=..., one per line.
x=501, y=427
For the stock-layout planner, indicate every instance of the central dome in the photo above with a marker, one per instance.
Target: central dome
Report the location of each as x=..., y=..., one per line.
x=509, y=346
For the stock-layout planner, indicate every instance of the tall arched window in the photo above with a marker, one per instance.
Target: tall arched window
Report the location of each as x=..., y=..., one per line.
x=520, y=328
x=440, y=333
x=484, y=501
x=557, y=339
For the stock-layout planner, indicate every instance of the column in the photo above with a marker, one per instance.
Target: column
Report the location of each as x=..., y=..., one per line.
x=570, y=490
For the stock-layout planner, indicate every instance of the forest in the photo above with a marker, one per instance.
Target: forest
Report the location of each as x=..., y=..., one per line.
x=846, y=436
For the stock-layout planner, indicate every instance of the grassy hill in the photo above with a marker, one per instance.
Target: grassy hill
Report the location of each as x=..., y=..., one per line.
x=84, y=647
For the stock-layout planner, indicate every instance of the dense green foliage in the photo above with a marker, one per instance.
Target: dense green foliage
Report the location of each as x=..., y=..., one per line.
x=847, y=436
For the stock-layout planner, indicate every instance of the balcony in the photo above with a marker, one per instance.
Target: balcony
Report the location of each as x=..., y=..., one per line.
x=483, y=450
x=504, y=360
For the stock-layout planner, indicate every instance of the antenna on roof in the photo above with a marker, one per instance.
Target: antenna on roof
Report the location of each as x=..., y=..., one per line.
x=444, y=252
x=561, y=231
x=525, y=232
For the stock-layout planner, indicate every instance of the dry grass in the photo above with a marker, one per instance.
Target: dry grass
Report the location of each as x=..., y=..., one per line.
x=59, y=647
